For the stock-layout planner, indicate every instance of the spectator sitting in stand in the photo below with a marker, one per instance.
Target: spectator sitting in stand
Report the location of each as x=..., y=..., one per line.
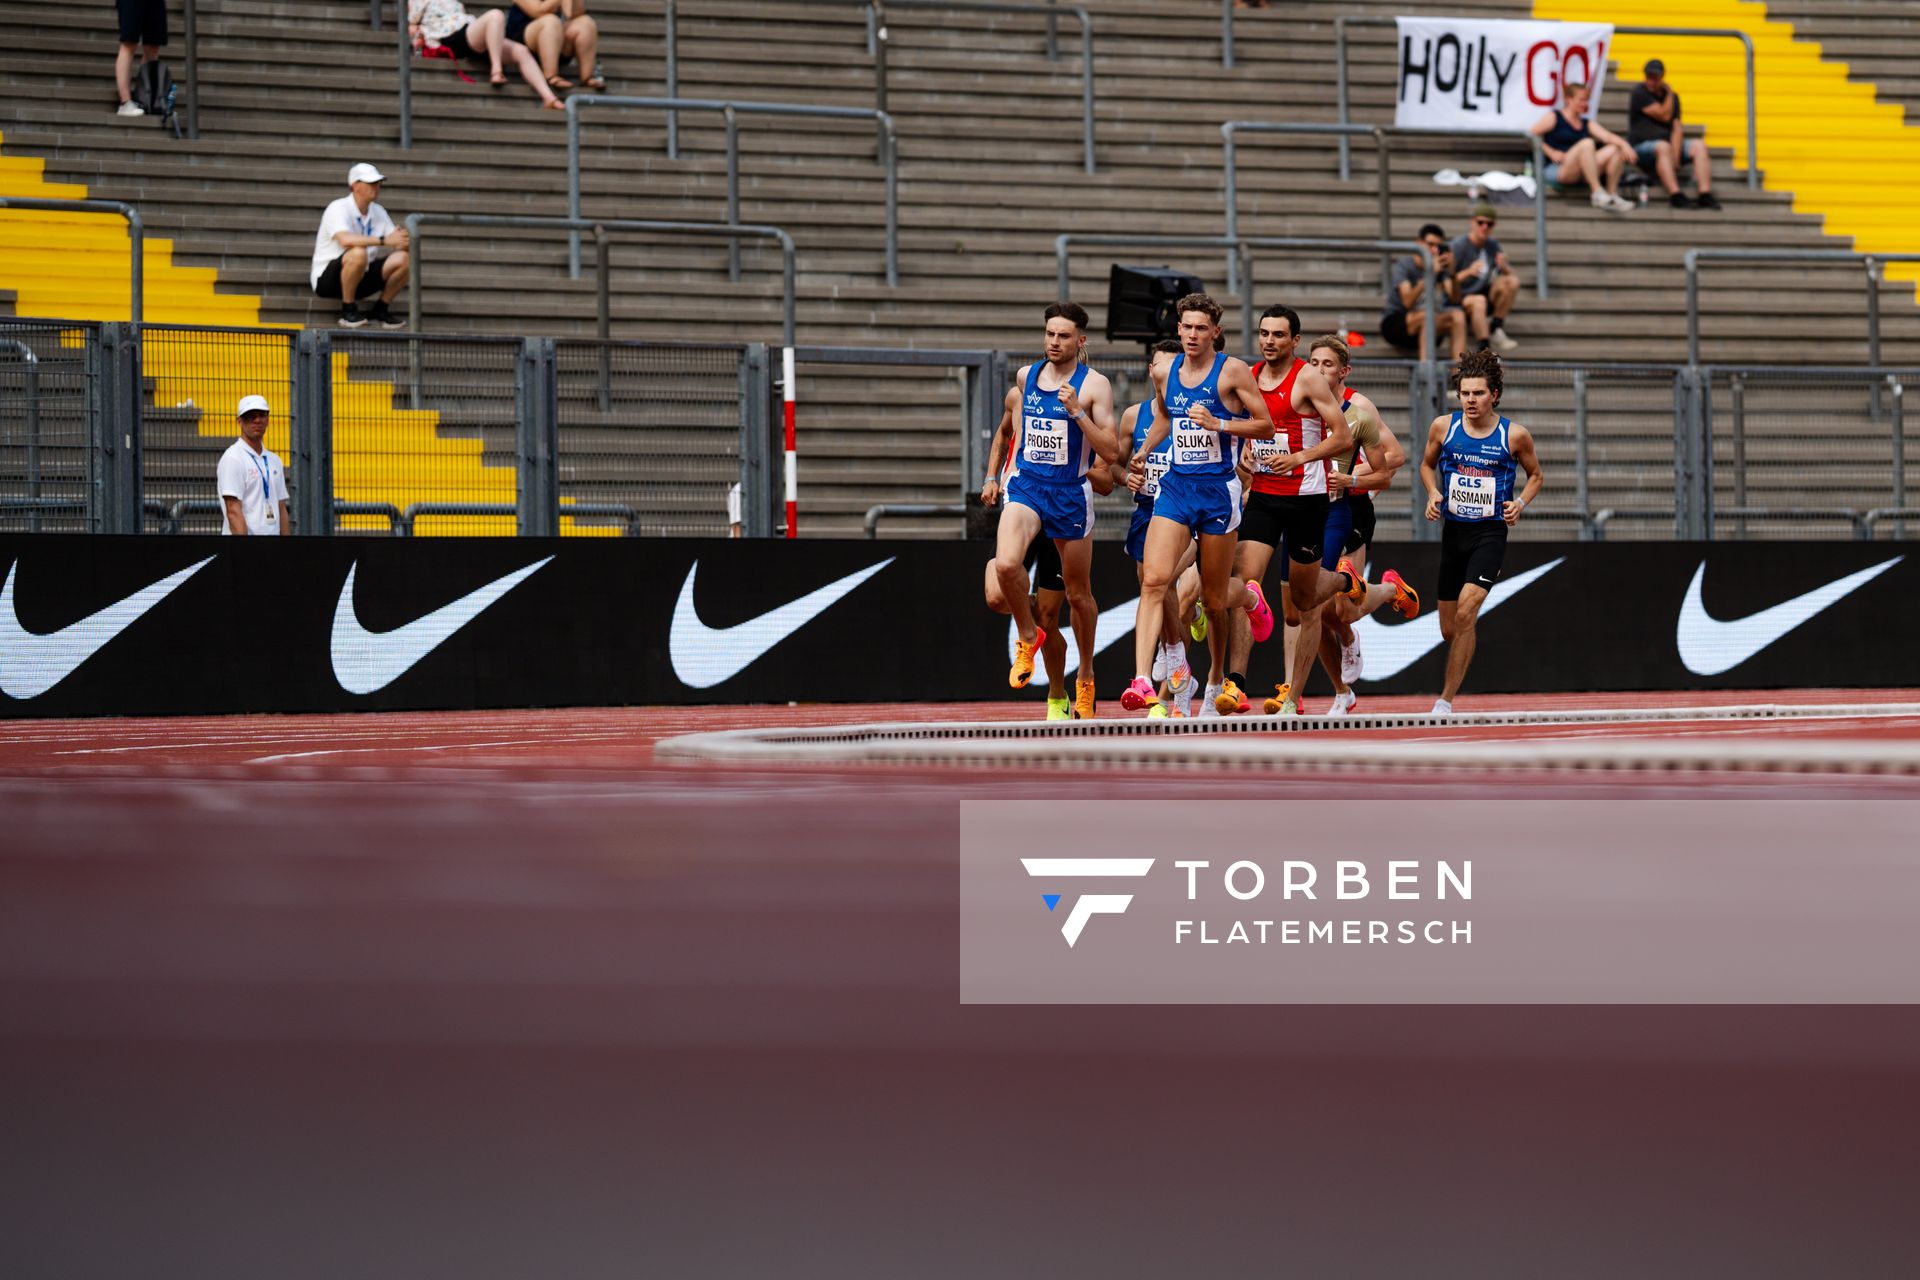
x=558, y=29
x=1484, y=283
x=1404, y=314
x=1581, y=150
x=1661, y=145
x=445, y=24
x=359, y=253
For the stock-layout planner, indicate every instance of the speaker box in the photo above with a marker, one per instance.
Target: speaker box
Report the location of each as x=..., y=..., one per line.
x=1140, y=302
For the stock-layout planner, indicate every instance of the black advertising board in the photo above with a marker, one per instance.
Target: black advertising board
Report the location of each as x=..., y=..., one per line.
x=185, y=625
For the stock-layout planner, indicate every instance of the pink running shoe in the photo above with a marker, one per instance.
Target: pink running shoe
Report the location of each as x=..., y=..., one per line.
x=1139, y=694
x=1260, y=617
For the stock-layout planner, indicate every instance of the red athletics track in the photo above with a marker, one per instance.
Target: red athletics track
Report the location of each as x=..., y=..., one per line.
x=497, y=994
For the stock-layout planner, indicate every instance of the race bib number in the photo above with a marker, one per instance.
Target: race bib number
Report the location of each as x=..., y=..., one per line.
x=1156, y=471
x=1473, y=497
x=1045, y=441
x=1194, y=446
x=1267, y=453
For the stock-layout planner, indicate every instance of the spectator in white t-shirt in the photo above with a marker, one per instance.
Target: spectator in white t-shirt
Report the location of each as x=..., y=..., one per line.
x=359, y=254
x=253, y=481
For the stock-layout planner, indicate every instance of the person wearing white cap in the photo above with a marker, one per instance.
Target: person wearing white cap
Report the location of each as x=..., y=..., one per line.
x=253, y=480
x=359, y=254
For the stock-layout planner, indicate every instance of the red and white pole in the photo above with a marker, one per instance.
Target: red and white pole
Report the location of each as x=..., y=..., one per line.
x=793, y=471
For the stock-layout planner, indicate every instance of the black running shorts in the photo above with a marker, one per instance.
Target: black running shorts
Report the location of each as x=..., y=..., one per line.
x=1471, y=554
x=1361, y=535
x=1298, y=520
x=1045, y=557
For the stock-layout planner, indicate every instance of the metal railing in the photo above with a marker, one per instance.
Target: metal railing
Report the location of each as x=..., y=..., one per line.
x=883, y=510
x=1242, y=247
x=30, y=389
x=136, y=239
x=192, y=38
x=1343, y=95
x=1871, y=262
x=878, y=38
x=599, y=226
x=1381, y=134
x=889, y=160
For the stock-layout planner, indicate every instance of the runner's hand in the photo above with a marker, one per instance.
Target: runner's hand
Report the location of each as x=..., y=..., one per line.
x=1339, y=481
x=1201, y=416
x=1069, y=401
x=1433, y=505
x=990, y=492
x=1510, y=511
x=1136, y=480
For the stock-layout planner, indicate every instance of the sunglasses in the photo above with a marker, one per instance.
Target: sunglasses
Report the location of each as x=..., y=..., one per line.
x=1483, y=222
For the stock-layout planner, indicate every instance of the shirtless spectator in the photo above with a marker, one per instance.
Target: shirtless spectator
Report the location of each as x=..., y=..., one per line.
x=1661, y=145
x=1404, y=314
x=445, y=24
x=556, y=30
x=1579, y=150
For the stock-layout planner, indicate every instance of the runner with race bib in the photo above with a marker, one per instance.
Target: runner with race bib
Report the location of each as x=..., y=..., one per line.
x=1468, y=468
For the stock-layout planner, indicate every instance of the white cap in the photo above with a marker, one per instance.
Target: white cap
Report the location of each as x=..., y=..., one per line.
x=249, y=403
x=364, y=173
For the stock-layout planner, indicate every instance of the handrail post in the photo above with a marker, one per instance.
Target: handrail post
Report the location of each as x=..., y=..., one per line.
x=1753, y=129
x=1580, y=442
x=1246, y=297
x=1692, y=262
x=193, y=72
x=573, y=179
x=1053, y=36
x=373, y=14
x=880, y=60
x=1086, y=85
x=603, y=258
x=892, y=162
x=415, y=376
x=1340, y=91
x=1432, y=312
x=1873, y=311
x=1737, y=397
x=406, y=76
x=1062, y=287
x=1540, y=287
x=1897, y=393
x=673, y=85
x=1229, y=162
x=1382, y=150
x=1226, y=35
x=732, y=120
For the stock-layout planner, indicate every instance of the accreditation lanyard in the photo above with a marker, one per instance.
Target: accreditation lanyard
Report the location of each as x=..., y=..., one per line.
x=266, y=486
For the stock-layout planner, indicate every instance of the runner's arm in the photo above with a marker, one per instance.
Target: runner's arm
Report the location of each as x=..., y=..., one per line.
x=1095, y=415
x=1338, y=437
x=1430, y=466
x=1520, y=440
x=1002, y=437
x=1238, y=378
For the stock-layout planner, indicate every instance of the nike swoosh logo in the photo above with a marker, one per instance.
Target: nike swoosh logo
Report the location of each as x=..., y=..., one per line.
x=367, y=662
x=1709, y=646
x=705, y=656
x=32, y=664
x=1109, y=627
x=1391, y=650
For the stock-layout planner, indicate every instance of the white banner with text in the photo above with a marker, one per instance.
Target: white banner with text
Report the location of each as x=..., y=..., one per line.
x=1486, y=74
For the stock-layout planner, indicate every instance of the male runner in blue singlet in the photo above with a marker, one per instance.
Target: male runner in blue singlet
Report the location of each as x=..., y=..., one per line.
x=1468, y=468
x=1135, y=424
x=1063, y=416
x=1208, y=403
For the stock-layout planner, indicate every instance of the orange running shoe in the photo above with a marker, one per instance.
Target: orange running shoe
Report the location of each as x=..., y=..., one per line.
x=1023, y=662
x=1281, y=692
x=1083, y=700
x=1358, y=590
x=1406, y=601
x=1231, y=701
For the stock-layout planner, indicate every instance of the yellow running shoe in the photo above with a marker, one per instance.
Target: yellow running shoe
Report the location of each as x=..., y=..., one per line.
x=1022, y=662
x=1281, y=692
x=1198, y=627
x=1059, y=709
x=1231, y=701
x=1158, y=711
x=1083, y=699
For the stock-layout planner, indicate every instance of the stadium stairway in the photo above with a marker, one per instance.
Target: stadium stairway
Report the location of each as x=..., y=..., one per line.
x=990, y=174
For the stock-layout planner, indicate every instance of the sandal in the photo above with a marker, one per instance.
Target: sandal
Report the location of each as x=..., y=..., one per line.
x=498, y=79
x=554, y=105
x=559, y=82
x=596, y=83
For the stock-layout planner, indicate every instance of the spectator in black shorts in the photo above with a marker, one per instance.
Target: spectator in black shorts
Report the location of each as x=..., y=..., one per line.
x=558, y=29
x=360, y=254
x=1404, y=314
x=445, y=24
x=142, y=22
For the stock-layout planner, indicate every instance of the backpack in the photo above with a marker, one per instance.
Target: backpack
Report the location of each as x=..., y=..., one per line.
x=154, y=92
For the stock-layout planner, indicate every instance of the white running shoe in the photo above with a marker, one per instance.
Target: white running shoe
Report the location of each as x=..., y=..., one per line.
x=129, y=108
x=1342, y=703
x=1441, y=707
x=1352, y=664
x=1502, y=340
x=1159, y=663
x=1184, y=692
x=1207, y=707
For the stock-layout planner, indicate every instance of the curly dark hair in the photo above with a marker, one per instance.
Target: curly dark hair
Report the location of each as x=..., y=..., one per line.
x=1481, y=364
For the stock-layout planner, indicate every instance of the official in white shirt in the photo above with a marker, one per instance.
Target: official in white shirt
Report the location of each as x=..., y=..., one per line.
x=360, y=254
x=253, y=480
